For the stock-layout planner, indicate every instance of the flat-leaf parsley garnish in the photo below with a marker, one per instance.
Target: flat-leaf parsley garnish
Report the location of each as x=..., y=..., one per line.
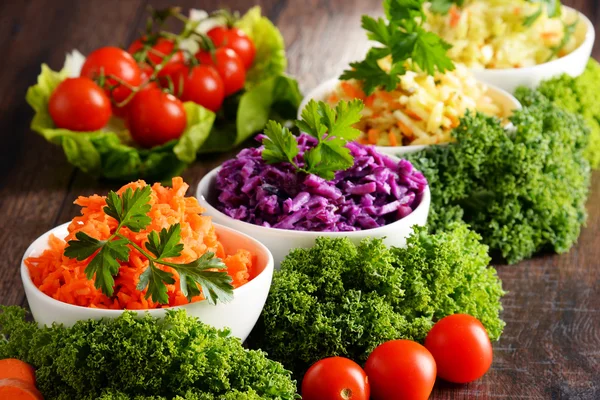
x=333, y=128
x=130, y=210
x=404, y=39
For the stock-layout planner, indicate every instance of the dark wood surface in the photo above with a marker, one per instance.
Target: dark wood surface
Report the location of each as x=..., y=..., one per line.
x=551, y=346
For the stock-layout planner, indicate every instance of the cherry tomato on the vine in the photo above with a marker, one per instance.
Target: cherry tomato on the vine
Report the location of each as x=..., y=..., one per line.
x=156, y=54
x=236, y=40
x=155, y=117
x=335, y=378
x=79, y=104
x=461, y=348
x=201, y=84
x=401, y=369
x=113, y=62
x=218, y=35
x=229, y=66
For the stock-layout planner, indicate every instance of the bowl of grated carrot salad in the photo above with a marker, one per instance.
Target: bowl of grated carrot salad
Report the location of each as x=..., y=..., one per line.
x=421, y=111
x=58, y=290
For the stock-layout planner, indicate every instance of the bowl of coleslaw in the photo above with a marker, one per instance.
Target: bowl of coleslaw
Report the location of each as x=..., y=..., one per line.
x=515, y=43
x=421, y=112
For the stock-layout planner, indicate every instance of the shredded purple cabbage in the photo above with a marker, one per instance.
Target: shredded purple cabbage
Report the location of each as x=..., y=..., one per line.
x=375, y=191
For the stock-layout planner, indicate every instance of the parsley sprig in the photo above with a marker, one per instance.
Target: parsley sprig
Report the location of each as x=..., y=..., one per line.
x=405, y=40
x=130, y=210
x=332, y=128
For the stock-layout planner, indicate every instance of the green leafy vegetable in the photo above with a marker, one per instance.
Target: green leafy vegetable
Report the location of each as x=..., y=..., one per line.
x=553, y=8
x=332, y=128
x=142, y=358
x=404, y=39
x=579, y=95
x=269, y=60
x=243, y=115
x=522, y=190
x=443, y=6
x=338, y=298
x=130, y=210
x=108, y=153
x=530, y=19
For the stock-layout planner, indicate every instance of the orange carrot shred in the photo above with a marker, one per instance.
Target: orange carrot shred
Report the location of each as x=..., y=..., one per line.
x=392, y=138
x=372, y=136
x=64, y=278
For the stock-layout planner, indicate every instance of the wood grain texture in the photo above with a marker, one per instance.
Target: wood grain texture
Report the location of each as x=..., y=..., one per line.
x=551, y=345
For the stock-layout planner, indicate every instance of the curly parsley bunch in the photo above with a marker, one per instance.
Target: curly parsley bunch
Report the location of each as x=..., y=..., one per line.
x=523, y=190
x=337, y=298
x=174, y=358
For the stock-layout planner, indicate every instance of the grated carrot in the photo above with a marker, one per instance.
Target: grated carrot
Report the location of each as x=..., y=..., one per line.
x=352, y=91
x=454, y=16
x=406, y=130
x=64, y=278
x=392, y=139
x=548, y=35
x=372, y=136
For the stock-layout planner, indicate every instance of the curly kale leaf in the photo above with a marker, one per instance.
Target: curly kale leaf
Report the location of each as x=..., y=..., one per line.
x=523, y=190
x=578, y=95
x=175, y=358
x=338, y=298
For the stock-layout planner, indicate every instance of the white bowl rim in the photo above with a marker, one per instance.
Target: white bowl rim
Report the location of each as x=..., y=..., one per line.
x=425, y=202
x=590, y=35
x=95, y=312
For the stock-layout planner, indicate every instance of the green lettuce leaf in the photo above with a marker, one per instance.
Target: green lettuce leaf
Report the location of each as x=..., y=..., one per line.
x=243, y=115
x=109, y=153
x=270, y=57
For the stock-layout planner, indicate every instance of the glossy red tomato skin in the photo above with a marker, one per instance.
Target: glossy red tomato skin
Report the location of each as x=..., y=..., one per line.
x=401, y=369
x=236, y=40
x=201, y=84
x=163, y=46
x=335, y=378
x=244, y=47
x=228, y=65
x=155, y=117
x=218, y=35
x=78, y=104
x=113, y=61
x=461, y=348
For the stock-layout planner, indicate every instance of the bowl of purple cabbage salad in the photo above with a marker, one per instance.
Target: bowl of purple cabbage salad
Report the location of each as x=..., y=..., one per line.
x=293, y=189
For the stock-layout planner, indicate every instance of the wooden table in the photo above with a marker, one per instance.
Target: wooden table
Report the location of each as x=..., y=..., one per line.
x=551, y=346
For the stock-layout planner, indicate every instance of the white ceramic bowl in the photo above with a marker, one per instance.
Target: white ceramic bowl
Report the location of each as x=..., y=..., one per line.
x=507, y=102
x=281, y=241
x=572, y=64
x=240, y=314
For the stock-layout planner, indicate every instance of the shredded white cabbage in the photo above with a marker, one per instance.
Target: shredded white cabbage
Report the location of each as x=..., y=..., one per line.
x=493, y=34
x=422, y=110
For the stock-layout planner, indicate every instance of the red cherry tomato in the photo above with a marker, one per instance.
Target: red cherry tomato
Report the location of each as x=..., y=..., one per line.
x=155, y=117
x=200, y=84
x=335, y=378
x=116, y=62
x=78, y=104
x=218, y=35
x=401, y=369
x=228, y=65
x=461, y=348
x=160, y=50
x=236, y=40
